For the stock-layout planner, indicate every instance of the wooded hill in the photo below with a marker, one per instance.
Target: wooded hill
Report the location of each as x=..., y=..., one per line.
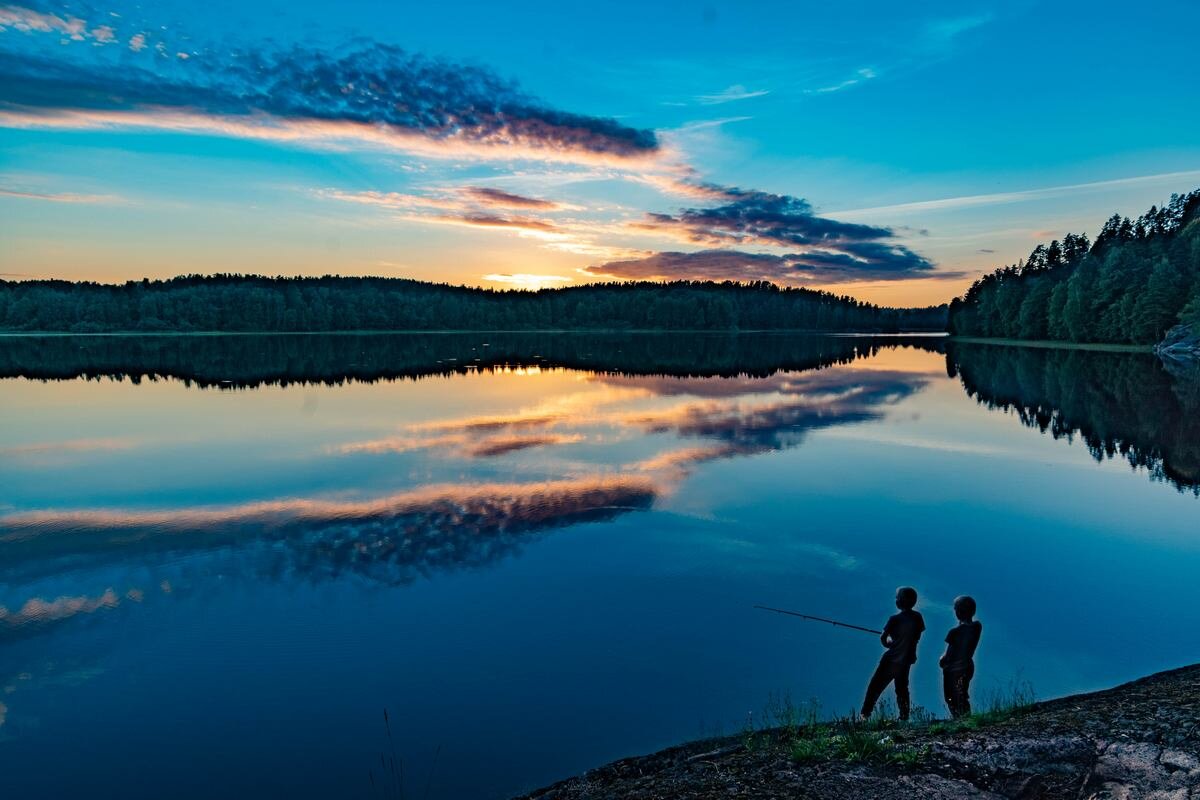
x=1138, y=279
x=239, y=303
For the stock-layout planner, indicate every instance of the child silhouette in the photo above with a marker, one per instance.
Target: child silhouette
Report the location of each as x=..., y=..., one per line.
x=958, y=662
x=900, y=636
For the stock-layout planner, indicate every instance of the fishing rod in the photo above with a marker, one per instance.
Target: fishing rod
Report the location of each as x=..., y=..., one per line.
x=820, y=619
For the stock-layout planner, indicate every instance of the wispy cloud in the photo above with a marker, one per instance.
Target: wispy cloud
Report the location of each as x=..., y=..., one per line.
x=463, y=198
x=949, y=28
x=730, y=95
x=498, y=198
x=860, y=76
x=998, y=198
x=59, y=197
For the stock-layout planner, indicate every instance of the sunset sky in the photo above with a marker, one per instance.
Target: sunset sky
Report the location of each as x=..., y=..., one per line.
x=888, y=151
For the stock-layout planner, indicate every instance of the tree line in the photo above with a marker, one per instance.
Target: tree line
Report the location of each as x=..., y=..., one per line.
x=244, y=303
x=1133, y=283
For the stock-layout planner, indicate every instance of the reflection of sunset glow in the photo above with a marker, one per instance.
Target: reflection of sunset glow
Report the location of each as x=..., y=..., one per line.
x=500, y=445
x=495, y=504
x=37, y=610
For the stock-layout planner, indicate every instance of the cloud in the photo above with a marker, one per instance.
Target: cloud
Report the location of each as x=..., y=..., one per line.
x=528, y=225
x=395, y=200
x=751, y=216
x=860, y=76
x=729, y=95
x=485, y=195
x=27, y=20
x=104, y=34
x=943, y=31
x=370, y=93
x=823, y=249
x=882, y=262
x=998, y=198
x=59, y=197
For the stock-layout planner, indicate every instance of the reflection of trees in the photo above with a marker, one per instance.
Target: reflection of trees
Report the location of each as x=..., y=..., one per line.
x=392, y=539
x=252, y=360
x=1121, y=404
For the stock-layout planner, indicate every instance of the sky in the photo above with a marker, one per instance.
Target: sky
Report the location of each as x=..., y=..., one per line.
x=886, y=151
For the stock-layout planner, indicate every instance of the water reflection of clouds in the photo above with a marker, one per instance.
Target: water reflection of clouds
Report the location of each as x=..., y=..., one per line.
x=401, y=536
x=38, y=611
x=47, y=452
x=394, y=538
x=750, y=414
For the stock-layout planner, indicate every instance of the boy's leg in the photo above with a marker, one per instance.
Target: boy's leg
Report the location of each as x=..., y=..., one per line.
x=955, y=686
x=964, y=695
x=879, y=682
x=902, y=697
x=950, y=691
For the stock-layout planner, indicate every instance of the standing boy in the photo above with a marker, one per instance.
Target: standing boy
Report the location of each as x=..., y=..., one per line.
x=900, y=636
x=958, y=663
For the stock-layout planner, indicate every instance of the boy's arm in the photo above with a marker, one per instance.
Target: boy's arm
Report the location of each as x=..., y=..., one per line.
x=945, y=655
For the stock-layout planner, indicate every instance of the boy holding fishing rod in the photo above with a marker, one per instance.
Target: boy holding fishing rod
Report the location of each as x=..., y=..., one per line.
x=900, y=636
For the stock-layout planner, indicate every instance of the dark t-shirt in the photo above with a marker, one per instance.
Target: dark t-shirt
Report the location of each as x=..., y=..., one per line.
x=961, y=642
x=905, y=631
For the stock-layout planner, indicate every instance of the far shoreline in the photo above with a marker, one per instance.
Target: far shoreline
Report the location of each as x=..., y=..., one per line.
x=506, y=331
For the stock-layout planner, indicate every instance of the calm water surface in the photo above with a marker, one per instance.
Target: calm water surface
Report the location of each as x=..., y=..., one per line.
x=222, y=558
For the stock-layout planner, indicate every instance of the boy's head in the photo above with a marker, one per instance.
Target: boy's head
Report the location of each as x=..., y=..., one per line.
x=906, y=598
x=964, y=607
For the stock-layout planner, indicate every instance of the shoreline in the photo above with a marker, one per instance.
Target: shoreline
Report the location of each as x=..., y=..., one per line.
x=505, y=331
x=1138, y=739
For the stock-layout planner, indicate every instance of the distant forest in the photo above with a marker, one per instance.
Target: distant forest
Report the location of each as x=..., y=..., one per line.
x=1137, y=280
x=237, y=303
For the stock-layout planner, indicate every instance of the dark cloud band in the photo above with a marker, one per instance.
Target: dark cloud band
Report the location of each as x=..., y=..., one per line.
x=876, y=262
x=368, y=84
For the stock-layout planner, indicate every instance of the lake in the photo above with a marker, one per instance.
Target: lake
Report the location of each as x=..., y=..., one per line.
x=222, y=558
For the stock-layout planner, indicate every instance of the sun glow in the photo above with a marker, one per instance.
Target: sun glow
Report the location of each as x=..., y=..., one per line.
x=524, y=280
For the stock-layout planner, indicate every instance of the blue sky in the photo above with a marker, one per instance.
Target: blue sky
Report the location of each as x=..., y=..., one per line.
x=886, y=151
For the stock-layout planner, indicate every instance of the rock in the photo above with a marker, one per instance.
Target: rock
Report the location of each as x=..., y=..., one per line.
x=1182, y=343
x=1140, y=741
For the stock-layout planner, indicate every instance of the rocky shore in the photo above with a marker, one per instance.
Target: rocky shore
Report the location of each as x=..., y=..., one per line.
x=1137, y=741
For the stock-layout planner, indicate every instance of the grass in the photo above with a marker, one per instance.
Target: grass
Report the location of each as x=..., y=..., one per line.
x=1000, y=705
x=806, y=736
x=802, y=732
